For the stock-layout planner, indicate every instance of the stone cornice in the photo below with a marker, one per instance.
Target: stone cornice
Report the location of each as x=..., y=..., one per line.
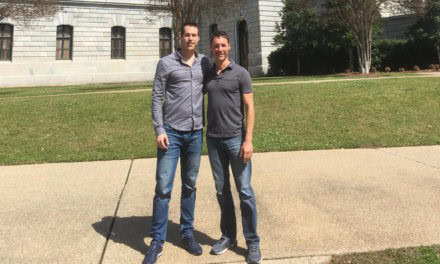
x=110, y=3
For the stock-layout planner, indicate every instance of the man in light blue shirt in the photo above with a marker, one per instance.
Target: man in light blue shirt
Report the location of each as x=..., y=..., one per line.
x=177, y=113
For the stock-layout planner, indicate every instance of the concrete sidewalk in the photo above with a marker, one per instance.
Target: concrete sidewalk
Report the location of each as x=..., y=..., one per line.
x=312, y=204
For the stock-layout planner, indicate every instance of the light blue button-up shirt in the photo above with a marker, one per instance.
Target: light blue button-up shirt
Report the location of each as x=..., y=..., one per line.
x=177, y=97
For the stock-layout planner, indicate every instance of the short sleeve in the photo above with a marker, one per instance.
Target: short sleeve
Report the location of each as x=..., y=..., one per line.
x=245, y=82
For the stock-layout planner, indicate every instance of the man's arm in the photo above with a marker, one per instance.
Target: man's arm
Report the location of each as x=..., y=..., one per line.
x=247, y=148
x=158, y=96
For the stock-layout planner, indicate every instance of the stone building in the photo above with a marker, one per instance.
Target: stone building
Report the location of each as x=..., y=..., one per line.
x=88, y=41
x=94, y=41
x=251, y=27
x=97, y=41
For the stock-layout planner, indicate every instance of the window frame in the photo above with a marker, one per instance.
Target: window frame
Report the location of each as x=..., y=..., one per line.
x=63, y=40
x=165, y=35
x=8, y=56
x=122, y=40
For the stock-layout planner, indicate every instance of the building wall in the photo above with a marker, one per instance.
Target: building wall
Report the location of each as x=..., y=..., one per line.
x=228, y=20
x=396, y=27
x=261, y=17
x=269, y=17
x=34, y=46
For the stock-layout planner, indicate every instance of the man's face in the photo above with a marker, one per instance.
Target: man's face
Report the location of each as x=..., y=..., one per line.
x=190, y=38
x=220, y=48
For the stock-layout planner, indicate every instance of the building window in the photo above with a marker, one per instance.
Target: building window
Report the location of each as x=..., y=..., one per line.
x=164, y=41
x=212, y=30
x=6, y=32
x=118, y=43
x=64, y=42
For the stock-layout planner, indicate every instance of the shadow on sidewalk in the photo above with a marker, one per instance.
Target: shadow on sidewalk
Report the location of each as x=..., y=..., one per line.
x=131, y=231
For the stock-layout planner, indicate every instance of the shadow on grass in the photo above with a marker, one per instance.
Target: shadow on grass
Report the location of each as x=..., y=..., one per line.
x=131, y=232
x=2, y=93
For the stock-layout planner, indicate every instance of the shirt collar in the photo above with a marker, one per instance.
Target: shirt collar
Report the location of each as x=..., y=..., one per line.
x=180, y=57
x=229, y=67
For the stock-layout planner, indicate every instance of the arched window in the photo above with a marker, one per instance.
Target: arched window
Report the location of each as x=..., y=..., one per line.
x=243, y=44
x=118, y=42
x=164, y=41
x=6, y=34
x=212, y=28
x=64, y=42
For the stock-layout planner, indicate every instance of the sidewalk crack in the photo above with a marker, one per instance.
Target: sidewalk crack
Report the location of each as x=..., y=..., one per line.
x=115, y=214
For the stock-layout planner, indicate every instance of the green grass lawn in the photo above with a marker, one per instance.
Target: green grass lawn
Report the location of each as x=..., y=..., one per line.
x=416, y=255
x=70, y=89
x=373, y=113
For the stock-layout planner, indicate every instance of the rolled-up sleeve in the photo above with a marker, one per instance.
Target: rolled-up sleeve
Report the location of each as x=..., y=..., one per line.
x=158, y=96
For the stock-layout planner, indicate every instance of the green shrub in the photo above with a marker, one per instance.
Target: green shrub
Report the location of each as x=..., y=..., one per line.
x=281, y=62
x=401, y=53
x=316, y=60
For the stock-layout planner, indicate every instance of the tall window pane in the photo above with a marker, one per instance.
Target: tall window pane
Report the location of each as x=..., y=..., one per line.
x=212, y=29
x=118, y=43
x=164, y=41
x=64, y=42
x=6, y=33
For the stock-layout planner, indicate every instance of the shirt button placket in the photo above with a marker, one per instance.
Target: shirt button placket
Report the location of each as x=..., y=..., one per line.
x=192, y=99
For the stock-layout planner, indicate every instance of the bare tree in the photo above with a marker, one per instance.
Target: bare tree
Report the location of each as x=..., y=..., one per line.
x=26, y=10
x=358, y=17
x=186, y=10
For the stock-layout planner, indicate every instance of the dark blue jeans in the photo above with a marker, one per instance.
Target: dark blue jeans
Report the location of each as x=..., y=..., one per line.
x=187, y=146
x=222, y=153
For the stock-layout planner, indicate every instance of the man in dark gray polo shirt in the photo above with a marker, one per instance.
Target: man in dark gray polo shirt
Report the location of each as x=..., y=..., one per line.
x=229, y=141
x=177, y=112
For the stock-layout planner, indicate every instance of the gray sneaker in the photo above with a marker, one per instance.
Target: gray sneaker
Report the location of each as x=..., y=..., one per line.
x=223, y=245
x=254, y=254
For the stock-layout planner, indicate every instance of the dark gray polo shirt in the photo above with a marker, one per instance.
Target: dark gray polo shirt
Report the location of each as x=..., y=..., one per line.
x=177, y=97
x=225, y=104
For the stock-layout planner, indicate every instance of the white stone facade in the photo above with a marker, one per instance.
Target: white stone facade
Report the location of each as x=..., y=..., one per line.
x=261, y=18
x=34, y=46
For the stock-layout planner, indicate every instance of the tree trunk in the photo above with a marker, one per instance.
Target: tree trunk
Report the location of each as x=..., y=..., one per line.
x=363, y=44
x=298, y=65
x=350, y=59
x=438, y=52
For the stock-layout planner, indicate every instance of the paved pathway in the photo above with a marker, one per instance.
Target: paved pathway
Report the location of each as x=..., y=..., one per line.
x=312, y=204
x=421, y=75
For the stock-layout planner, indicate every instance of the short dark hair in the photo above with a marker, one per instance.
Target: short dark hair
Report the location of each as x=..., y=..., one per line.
x=219, y=34
x=189, y=23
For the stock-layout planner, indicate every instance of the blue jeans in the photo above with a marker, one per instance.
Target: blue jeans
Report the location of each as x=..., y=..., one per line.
x=187, y=145
x=222, y=153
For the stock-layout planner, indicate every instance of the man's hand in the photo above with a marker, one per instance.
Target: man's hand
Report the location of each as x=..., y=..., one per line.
x=246, y=151
x=162, y=141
